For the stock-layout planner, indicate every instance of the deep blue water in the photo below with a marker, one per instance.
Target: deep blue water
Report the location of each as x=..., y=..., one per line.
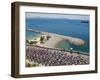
x=67, y=27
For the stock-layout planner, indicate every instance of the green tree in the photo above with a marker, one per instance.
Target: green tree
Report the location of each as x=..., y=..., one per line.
x=33, y=42
x=42, y=39
x=27, y=41
x=48, y=37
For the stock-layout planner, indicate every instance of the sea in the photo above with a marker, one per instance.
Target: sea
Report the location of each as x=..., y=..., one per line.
x=67, y=27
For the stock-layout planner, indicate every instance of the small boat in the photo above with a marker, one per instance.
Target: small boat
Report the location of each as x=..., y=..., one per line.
x=84, y=21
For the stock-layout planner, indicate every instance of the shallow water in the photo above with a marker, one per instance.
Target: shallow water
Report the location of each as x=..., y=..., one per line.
x=31, y=35
x=66, y=45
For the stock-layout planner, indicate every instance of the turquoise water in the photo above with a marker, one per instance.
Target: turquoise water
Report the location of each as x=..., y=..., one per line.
x=66, y=45
x=31, y=35
x=63, y=44
x=67, y=27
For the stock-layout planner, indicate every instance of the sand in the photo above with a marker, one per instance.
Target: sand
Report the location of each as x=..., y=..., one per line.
x=55, y=39
x=73, y=40
x=52, y=42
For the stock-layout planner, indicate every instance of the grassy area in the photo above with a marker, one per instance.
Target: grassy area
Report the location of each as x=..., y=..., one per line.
x=31, y=64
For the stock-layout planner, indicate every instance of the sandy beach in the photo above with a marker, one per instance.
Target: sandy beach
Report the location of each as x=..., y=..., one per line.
x=55, y=39
x=52, y=42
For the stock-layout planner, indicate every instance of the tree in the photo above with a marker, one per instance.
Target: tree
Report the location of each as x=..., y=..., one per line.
x=27, y=41
x=33, y=42
x=42, y=39
x=48, y=37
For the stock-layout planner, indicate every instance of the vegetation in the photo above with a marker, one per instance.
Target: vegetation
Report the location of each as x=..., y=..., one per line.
x=48, y=37
x=31, y=65
x=27, y=41
x=32, y=42
x=42, y=39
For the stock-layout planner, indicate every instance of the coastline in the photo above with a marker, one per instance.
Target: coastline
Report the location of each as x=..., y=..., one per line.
x=52, y=42
x=32, y=38
x=55, y=39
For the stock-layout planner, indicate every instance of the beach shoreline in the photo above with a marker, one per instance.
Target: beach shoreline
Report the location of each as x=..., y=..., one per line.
x=52, y=42
x=55, y=39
